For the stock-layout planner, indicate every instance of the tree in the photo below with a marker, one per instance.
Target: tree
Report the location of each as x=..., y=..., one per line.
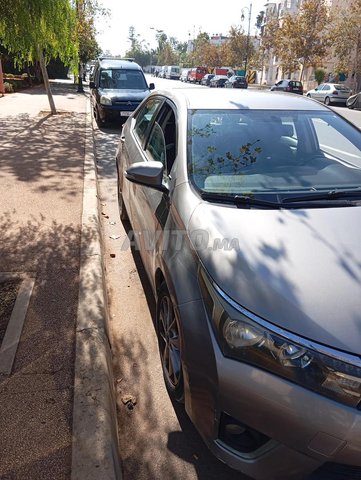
x=87, y=10
x=88, y=47
x=137, y=51
x=346, y=41
x=305, y=37
x=235, y=49
x=200, y=53
x=319, y=75
x=36, y=30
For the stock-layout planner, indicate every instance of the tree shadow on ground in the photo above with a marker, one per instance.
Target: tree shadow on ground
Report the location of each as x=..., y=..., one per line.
x=36, y=400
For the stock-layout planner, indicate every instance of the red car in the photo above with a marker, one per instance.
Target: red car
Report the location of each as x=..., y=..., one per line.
x=196, y=74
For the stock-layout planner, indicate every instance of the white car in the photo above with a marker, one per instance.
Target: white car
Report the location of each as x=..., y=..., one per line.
x=329, y=93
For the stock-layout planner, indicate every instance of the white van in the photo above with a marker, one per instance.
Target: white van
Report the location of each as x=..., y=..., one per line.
x=172, y=72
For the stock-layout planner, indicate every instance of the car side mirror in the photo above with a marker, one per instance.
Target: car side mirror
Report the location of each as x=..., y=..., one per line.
x=148, y=174
x=151, y=86
x=91, y=84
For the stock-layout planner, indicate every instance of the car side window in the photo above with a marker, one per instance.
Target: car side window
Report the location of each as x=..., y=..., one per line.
x=329, y=141
x=145, y=116
x=162, y=143
x=156, y=144
x=327, y=87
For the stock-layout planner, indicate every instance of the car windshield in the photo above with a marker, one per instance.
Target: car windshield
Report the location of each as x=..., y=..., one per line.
x=121, y=78
x=272, y=154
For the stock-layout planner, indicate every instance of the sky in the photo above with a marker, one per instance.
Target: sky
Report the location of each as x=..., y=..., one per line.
x=182, y=19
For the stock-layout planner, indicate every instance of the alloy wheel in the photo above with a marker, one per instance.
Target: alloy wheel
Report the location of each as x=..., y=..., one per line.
x=169, y=342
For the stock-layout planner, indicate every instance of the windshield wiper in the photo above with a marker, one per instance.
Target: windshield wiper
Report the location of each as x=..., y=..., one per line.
x=330, y=195
x=304, y=201
x=240, y=200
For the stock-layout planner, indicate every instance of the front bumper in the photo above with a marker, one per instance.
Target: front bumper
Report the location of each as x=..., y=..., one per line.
x=302, y=429
x=115, y=112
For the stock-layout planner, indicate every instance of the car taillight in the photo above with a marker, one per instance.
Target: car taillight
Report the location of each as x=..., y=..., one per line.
x=335, y=92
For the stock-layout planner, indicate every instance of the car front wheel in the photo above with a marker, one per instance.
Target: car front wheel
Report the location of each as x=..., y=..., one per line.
x=169, y=341
x=97, y=117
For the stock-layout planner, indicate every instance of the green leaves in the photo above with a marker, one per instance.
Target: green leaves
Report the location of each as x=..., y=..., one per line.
x=26, y=25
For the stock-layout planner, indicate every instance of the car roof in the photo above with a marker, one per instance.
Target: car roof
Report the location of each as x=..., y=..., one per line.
x=290, y=80
x=199, y=98
x=118, y=63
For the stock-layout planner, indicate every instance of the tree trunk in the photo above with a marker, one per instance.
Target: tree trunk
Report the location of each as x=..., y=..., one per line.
x=46, y=81
x=302, y=71
x=2, y=87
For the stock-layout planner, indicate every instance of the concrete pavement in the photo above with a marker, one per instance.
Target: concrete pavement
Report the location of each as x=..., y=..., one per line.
x=57, y=411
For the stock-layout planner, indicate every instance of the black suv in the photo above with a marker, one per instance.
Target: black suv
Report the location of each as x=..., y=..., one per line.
x=293, y=86
x=117, y=88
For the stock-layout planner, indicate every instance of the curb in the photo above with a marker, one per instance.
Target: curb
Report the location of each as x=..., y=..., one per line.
x=95, y=450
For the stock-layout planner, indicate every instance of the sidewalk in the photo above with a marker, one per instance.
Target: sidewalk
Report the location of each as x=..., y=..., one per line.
x=56, y=408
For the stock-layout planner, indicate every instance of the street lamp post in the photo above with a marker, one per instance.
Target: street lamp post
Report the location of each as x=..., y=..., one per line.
x=248, y=33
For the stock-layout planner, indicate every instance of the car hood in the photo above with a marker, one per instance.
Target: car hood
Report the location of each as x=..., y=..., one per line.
x=135, y=94
x=298, y=269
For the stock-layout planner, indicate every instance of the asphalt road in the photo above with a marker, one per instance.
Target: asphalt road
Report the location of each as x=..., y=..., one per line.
x=157, y=440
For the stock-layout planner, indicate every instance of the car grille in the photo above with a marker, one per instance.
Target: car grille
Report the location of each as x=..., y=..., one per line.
x=126, y=105
x=336, y=471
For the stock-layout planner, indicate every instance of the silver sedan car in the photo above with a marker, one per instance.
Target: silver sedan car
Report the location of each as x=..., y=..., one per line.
x=330, y=93
x=246, y=210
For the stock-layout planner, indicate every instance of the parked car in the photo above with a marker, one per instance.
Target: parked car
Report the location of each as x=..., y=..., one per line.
x=172, y=72
x=292, y=86
x=117, y=88
x=245, y=208
x=184, y=74
x=206, y=79
x=354, y=101
x=218, y=81
x=236, y=81
x=329, y=93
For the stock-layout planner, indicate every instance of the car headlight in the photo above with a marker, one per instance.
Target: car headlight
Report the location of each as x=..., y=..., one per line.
x=105, y=100
x=245, y=337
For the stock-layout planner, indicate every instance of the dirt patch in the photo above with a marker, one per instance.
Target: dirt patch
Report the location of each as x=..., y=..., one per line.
x=8, y=293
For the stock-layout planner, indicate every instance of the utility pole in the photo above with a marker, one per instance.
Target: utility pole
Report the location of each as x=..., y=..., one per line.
x=248, y=34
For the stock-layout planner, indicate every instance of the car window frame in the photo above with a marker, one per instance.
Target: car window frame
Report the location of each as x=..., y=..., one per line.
x=160, y=119
x=143, y=141
x=156, y=131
